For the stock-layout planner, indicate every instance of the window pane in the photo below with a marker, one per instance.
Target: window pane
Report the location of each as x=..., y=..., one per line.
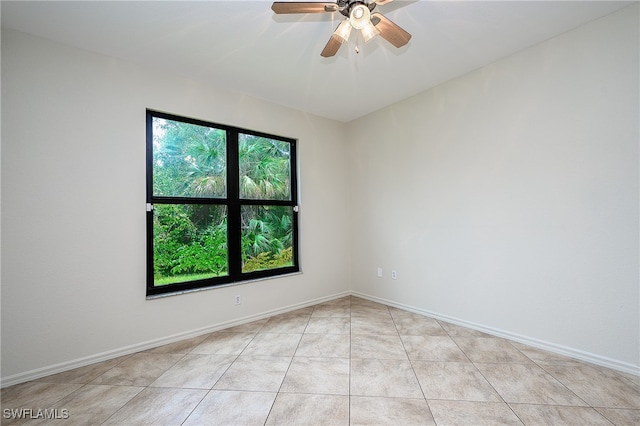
x=189, y=242
x=267, y=237
x=188, y=160
x=265, y=168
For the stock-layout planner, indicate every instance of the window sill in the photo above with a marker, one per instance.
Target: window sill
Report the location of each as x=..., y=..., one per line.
x=176, y=293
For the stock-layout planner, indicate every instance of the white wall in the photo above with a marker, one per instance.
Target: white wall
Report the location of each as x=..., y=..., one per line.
x=507, y=199
x=73, y=207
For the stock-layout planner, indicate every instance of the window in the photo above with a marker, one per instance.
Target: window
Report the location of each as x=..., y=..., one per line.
x=221, y=204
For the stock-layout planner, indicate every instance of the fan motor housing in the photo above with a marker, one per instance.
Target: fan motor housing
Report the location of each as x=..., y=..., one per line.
x=345, y=6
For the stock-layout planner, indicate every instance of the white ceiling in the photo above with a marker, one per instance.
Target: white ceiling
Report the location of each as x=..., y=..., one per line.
x=243, y=46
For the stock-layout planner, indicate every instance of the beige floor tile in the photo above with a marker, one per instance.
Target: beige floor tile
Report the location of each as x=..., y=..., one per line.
x=453, y=380
x=418, y=325
x=362, y=307
x=341, y=301
x=224, y=343
x=377, y=346
x=286, y=323
x=332, y=312
x=182, y=347
x=334, y=308
x=195, y=371
x=273, y=344
x=140, y=369
x=384, y=377
x=433, y=348
x=370, y=312
x=303, y=409
x=329, y=325
x=368, y=410
x=93, y=404
x=527, y=384
x=542, y=415
x=36, y=395
x=84, y=374
x=490, y=349
x=158, y=406
x=621, y=416
x=465, y=413
x=232, y=408
x=598, y=386
x=318, y=376
x=254, y=373
x=360, y=301
x=324, y=345
x=373, y=325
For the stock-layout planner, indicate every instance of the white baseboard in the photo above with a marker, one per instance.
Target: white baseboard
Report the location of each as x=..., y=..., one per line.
x=127, y=350
x=540, y=344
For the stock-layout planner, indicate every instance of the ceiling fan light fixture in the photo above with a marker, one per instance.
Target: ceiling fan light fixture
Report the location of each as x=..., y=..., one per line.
x=343, y=31
x=360, y=16
x=368, y=32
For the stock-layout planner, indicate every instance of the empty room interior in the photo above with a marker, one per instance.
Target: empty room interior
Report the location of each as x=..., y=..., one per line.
x=464, y=204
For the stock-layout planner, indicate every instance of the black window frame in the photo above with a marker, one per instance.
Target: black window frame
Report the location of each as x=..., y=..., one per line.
x=233, y=203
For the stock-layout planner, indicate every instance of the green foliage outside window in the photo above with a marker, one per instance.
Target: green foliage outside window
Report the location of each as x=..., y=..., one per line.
x=190, y=240
x=267, y=237
x=186, y=247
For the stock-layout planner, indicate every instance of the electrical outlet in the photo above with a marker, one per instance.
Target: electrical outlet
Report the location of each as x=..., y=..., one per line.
x=238, y=300
x=394, y=274
x=379, y=272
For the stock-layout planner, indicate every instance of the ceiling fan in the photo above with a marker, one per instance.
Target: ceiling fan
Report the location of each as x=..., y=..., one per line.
x=360, y=15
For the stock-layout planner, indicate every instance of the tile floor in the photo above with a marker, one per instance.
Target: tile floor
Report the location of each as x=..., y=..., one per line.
x=347, y=361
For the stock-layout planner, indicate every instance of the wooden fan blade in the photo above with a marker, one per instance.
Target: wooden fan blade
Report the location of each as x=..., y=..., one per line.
x=390, y=31
x=381, y=2
x=285, y=7
x=332, y=47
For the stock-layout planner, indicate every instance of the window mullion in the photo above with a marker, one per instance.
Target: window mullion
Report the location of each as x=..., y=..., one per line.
x=233, y=199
